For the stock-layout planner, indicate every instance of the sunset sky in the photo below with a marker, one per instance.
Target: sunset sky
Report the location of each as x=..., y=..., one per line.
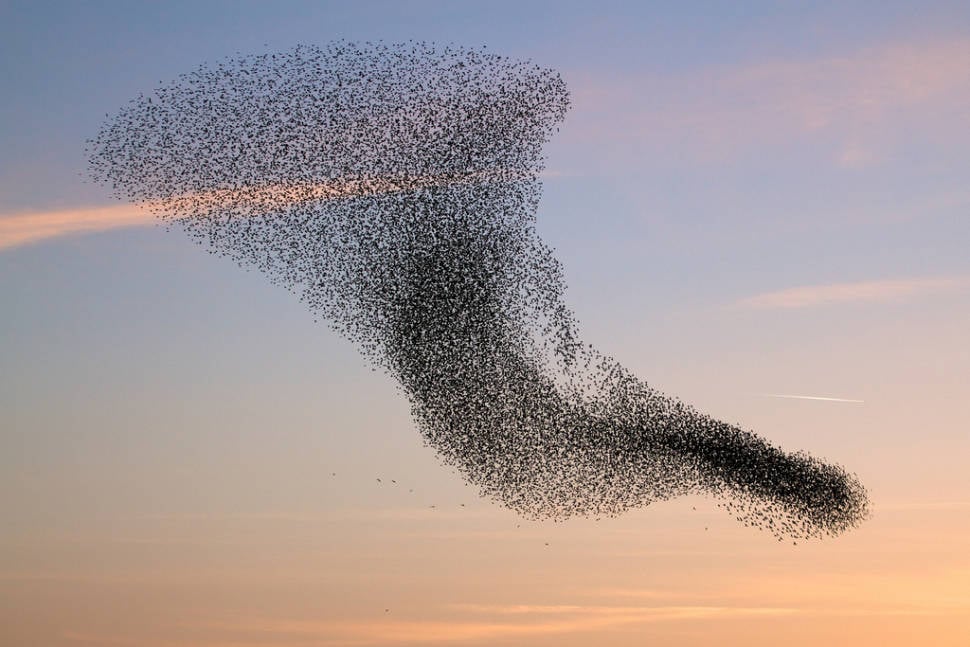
x=751, y=201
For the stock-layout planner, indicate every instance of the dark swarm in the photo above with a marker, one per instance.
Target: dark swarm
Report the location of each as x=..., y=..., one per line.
x=395, y=188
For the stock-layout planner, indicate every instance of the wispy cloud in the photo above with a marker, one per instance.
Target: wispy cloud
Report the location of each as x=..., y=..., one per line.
x=859, y=100
x=862, y=291
x=25, y=228
x=483, y=624
x=493, y=622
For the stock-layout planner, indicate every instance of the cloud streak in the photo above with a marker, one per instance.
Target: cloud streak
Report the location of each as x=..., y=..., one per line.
x=25, y=228
x=888, y=291
x=492, y=622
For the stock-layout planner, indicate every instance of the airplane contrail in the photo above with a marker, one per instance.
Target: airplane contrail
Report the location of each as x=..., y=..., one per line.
x=807, y=397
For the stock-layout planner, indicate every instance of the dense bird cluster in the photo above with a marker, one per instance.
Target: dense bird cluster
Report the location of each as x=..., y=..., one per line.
x=395, y=189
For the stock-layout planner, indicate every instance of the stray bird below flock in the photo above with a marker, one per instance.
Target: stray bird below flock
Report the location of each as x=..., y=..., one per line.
x=394, y=189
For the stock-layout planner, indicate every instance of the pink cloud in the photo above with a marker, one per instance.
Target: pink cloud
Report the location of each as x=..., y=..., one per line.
x=862, y=291
x=859, y=100
x=22, y=229
x=25, y=228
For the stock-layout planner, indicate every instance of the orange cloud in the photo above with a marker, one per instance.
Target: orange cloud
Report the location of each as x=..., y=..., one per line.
x=25, y=228
x=22, y=229
x=515, y=621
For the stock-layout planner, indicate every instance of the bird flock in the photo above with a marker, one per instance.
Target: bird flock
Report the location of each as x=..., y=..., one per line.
x=394, y=189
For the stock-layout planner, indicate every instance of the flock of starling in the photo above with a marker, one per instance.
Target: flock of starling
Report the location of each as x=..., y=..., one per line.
x=394, y=188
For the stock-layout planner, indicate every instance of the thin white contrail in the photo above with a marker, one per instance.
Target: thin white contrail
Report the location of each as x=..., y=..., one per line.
x=807, y=397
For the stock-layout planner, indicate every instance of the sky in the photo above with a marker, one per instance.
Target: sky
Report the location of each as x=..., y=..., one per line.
x=749, y=200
